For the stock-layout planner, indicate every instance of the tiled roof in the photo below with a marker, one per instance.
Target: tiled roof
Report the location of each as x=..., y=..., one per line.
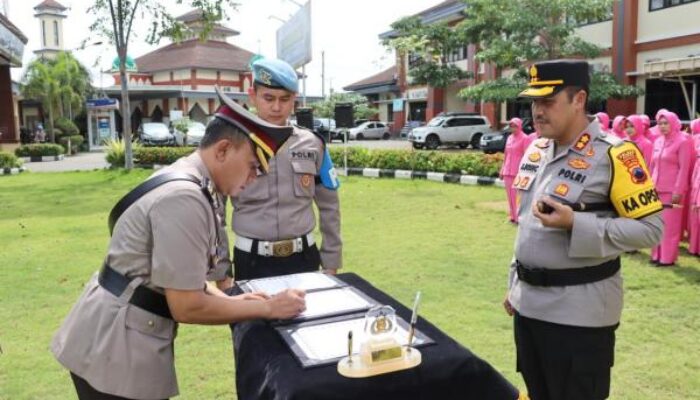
x=196, y=54
x=51, y=4
x=388, y=76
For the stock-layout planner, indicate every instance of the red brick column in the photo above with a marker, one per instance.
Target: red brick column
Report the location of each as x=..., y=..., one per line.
x=193, y=79
x=212, y=106
x=436, y=102
x=7, y=110
x=166, y=107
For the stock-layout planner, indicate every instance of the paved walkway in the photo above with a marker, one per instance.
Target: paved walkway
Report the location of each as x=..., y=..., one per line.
x=78, y=162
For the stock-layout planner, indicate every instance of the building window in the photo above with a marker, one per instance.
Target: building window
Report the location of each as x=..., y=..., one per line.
x=414, y=60
x=655, y=5
x=43, y=32
x=590, y=21
x=457, y=54
x=55, y=33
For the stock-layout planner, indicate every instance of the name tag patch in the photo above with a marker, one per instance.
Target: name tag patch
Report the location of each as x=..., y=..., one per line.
x=572, y=175
x=303, y=155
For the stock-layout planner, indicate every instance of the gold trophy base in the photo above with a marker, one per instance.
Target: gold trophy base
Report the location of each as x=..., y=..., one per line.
x=410, y=357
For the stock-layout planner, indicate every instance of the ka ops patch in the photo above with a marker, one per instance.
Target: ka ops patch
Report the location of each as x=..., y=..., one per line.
x=632, y=191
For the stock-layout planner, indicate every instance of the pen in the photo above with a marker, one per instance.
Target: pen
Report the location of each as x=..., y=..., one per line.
x=349, y=347
x=414, y=319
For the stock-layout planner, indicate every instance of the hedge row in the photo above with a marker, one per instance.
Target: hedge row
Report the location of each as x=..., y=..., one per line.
x=39, y=149
x=432, y=161
x=9, y=160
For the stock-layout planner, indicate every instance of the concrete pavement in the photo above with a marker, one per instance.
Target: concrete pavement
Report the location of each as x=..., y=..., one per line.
x=78, y=162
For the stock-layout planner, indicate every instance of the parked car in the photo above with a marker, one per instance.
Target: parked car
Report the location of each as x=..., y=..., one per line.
x=155, y=134
x=453, y=128
x=369, y=130
x=195, y=133
x=494, y=142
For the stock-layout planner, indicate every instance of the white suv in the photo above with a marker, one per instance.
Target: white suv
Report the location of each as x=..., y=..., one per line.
x=451, y=128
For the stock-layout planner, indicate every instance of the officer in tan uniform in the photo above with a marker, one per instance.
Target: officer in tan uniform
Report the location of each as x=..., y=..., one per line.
x=585, y=198
x=117, y=341
x=273, y=218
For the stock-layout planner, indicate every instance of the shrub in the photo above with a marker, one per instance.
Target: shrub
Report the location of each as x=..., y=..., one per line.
x=431, y=161
x=160, y=155
x=116, y=150
x=38, y=150
x=9, y=160
x=66, y=127
x=75, y=142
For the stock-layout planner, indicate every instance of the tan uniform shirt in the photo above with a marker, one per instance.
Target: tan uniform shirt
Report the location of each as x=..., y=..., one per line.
x=164, y=240
x=581, y=173
x=279, y=205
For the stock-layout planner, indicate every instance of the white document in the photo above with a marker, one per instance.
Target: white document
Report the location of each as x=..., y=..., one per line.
x=332, y=302
x=329, y=341
x=305, y=281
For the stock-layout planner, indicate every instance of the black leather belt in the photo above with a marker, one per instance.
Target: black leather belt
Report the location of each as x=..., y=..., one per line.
x=143, y=297
x=567, y=277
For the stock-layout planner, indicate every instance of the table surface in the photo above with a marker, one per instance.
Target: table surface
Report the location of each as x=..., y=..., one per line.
x=267, y=369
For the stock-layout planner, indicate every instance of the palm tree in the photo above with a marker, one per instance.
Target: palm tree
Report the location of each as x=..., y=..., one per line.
x=39, y=82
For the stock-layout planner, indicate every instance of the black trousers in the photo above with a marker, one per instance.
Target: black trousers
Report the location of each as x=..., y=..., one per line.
x=87, y=392
x=561, y=362
x=252, y=266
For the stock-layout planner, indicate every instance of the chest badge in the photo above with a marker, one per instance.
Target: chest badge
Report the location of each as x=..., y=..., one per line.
x=579, y=163
x=542, y=143
x=562, y=189
x=534, y=156
x=306, y=180
x=590, y=152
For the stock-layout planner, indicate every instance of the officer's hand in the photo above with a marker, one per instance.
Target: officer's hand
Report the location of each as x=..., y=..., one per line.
x=508, y=306
x=287, y=304
x=676, y=199
x=561, y=217
x=252, y=296
x=329, y=271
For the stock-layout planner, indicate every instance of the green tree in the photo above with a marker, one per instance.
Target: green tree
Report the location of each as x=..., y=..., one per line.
x=361, y=107
x=75, y=84
x=39, y=82
x=429, y=46
x=114, y=21
x=512, y=32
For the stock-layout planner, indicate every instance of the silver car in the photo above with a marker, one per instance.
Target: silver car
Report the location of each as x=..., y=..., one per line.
x=369, y=130
x=194, y=135
x=155, y=134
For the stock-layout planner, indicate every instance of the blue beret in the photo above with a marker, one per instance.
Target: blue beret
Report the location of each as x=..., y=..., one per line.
x=275, y=74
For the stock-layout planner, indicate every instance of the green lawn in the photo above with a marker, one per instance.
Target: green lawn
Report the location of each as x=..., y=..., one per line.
x=450, y=241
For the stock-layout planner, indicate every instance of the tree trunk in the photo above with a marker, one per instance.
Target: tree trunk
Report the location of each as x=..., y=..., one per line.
x=126, y=111
x=52, y=135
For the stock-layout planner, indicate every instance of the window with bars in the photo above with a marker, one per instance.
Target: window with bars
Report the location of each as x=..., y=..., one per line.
x=457, y=54
x=589, y=21
x=655, y=5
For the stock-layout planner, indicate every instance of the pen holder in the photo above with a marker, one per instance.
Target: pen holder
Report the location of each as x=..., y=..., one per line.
x=380, y=353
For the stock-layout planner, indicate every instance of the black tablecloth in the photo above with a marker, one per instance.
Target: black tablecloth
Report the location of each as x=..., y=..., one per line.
x=267, y=369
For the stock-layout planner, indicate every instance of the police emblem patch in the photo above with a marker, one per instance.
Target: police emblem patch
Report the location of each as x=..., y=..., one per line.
x=582, y=142
x=542, y=143
x=579, y=163
x=306, y=180
x=562, y=189
x=524, y=182
x=634, y=167
x=265, y=77
x=534, y=156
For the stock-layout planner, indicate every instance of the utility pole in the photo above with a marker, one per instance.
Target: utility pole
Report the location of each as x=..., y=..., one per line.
x=323, y=74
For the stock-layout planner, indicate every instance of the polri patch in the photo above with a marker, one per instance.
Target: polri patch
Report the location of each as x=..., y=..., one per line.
x=579, y=163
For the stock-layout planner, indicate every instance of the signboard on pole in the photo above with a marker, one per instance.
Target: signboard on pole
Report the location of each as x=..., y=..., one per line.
x=294, y=38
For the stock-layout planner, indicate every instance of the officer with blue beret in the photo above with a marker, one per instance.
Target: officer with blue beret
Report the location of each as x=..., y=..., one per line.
x=273, y=218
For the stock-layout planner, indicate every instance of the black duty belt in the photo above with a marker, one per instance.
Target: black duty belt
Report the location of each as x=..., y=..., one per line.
x=567, y=277
x=143, y=297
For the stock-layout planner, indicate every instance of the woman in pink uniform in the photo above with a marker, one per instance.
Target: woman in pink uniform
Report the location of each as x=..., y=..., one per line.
x=604, y=121
x=515, y=148
x=670, y=167
x=694, y=212
x=654, y=131
x=618, y=127
x=634, y=127
x=647, y=125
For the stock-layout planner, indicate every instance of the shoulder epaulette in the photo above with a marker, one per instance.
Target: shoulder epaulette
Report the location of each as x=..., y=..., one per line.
x=612, y=140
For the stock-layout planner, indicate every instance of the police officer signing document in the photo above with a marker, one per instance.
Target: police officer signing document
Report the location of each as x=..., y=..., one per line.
x=585, y=198
x=117, y=340
x=273, y=218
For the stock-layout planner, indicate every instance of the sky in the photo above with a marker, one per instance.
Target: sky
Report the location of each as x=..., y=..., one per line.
x=346, y=30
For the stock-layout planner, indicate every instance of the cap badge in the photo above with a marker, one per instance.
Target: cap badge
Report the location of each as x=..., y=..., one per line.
x=533, y=73
x=265, y=77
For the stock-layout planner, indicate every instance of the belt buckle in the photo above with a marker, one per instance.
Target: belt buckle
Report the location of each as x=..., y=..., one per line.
x=283, y=248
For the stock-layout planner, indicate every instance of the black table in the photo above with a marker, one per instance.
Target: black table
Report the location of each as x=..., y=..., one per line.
x=267, y=369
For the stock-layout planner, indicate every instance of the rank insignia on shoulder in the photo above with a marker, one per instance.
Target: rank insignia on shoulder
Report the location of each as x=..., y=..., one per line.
x=582, y=142
x=534, y=156
x=542, y=143
x=562, y=189
x=579, y=163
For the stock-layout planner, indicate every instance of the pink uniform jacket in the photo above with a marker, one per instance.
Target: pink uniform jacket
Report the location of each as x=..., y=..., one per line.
x=604, y=120
x=515, y=148
x=644, y=144
x=671, y=159
x=694, y=200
